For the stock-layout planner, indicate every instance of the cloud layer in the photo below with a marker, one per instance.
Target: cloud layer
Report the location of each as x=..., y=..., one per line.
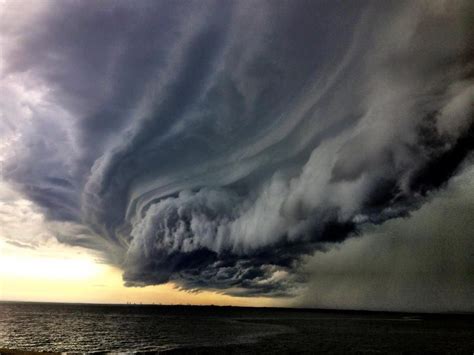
x=421, y=263
x=215, y=143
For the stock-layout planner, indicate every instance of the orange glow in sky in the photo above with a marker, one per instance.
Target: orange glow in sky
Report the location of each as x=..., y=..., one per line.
x=76, y=276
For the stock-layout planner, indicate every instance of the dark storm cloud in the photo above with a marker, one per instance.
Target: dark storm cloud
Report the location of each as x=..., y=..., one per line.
x=216, y=143
x=420, y=263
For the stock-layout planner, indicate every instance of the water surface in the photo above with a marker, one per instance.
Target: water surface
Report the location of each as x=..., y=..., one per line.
x=120, y=328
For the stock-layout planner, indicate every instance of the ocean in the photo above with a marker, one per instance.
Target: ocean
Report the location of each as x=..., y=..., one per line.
x=86, y=328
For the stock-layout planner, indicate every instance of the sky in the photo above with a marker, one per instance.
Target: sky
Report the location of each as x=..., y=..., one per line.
x=271, y=153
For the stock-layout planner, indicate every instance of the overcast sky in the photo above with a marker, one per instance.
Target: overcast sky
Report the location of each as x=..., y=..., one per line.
x=317, y=152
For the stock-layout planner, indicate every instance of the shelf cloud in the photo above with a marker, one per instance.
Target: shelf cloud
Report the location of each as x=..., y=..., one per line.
x=218, y=144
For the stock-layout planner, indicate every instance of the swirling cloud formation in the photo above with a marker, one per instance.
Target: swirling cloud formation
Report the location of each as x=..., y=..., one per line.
x=215, y=143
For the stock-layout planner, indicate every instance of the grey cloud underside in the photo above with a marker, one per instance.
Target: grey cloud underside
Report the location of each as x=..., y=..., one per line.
x=420, y=263
x=216, y=143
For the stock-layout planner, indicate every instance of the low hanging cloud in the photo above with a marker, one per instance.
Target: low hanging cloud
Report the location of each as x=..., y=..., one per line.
x=215, y=144
x=421, y=263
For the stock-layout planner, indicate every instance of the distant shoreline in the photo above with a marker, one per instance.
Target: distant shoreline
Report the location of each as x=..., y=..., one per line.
x=289, y=309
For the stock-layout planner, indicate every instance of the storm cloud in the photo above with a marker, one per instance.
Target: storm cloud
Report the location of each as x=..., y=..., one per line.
x=420, y=263
x=215, y=144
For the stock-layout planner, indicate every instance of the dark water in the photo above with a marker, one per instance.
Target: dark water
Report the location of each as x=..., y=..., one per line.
x=112, y=328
